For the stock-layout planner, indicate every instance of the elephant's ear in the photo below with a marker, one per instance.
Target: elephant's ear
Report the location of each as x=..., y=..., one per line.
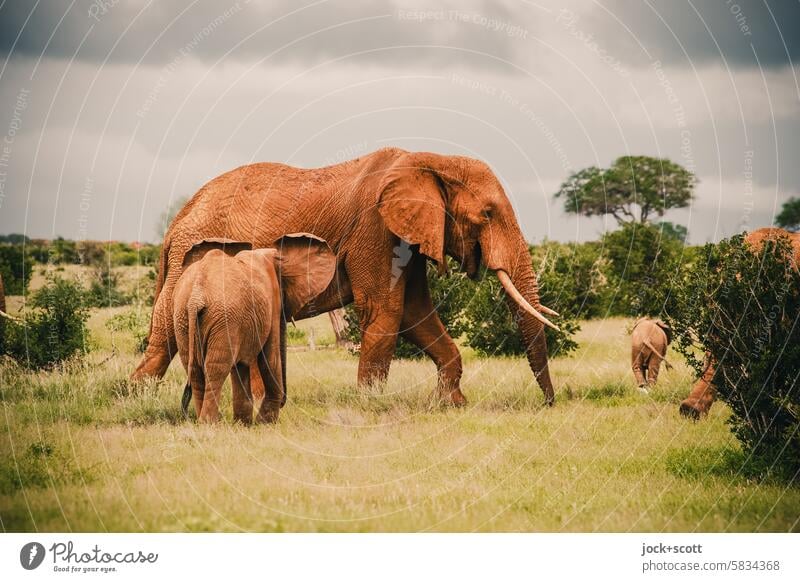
x=226, y=245
x=411, y=200
x=306, y=265
x=665, y=328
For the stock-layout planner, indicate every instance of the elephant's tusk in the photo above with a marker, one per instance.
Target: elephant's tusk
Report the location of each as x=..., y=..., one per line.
x=505, y=280
x=548, y=311
x=11, y=317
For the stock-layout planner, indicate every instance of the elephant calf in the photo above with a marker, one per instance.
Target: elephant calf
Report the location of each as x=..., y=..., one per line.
x=649, y=341
x=228, y=310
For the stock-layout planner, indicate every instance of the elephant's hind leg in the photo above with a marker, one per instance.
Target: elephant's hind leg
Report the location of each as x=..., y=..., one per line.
x=638, y=367
x=653, y=367
x=161, y=343
x=242, y=395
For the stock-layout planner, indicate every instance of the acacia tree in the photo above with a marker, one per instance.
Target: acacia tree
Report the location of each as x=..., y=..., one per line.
x=789, y=216
x=633, y=189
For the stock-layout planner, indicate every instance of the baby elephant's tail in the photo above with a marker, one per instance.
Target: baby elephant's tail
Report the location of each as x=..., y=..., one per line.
x=194, y=309
x=656, y=353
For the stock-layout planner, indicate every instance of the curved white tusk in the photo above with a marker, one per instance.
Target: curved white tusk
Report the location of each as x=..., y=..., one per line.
x=505, y=280
x=548, y=311
x=9, y=316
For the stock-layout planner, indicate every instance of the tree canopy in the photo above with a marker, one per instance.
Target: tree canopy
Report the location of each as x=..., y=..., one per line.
x=633, y=189
x=789, y=216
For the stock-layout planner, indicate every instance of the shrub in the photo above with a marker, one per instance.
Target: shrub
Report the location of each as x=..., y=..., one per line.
x=575, y=277
x=295, y=336
x=490, y=327
x=15, y=269
x=645, y=261
x=104, y=288
x=55, y=330
x=134, y=321
x=744, y=308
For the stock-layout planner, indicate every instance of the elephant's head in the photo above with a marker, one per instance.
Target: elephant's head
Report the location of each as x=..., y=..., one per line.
x=456, y=206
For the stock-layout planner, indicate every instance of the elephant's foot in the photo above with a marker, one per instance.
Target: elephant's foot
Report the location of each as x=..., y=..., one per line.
x=452, y=397
x=691, y=408
x=268, y=412
x=154, y=364
x=243, y=418
x=208, y=418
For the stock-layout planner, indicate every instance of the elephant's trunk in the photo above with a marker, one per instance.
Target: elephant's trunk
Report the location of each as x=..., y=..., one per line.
x=531, y=324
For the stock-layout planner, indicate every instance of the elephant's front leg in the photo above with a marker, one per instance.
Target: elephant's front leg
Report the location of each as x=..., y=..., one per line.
x=422, y=327
x=379, y=328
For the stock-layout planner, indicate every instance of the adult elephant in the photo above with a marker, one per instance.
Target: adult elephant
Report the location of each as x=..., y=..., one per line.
x=703, y=394
x=384, y=215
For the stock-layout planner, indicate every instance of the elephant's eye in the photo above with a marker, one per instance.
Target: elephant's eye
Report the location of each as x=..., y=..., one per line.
x=487, y=214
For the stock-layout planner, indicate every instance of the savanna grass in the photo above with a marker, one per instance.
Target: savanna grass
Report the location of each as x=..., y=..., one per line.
x=86, y=450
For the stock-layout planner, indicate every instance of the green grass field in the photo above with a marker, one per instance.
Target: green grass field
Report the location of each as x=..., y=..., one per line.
x=83, y=450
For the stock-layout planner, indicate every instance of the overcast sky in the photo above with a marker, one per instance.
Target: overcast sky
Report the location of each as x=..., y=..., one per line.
x=113, y=109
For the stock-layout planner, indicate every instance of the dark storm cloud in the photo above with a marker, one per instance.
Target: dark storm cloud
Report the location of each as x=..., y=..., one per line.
x=156, y=32
x=667, y=28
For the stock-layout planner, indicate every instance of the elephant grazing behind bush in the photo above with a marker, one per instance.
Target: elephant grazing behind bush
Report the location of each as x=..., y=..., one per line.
x=741, y=300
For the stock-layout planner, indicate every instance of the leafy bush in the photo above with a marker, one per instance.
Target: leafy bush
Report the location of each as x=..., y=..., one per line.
x=644, y=262
x=15, y=268
x=55, y=330
x=134, y=321
x=295, y=336
x=490, y=327
x=104, y=288
x=575, y=277
x=744, y=308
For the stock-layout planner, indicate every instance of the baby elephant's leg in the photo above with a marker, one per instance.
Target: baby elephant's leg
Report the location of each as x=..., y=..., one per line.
x=197, y=381
x=638, y=366
x=215, y=378
x=242, y=395
x=269, y=364
x=652, y=370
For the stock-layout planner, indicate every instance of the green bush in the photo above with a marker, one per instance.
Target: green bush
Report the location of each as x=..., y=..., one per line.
x=744, y=308
x=56, y=328
x=295, y=336
x=134, y=321
x=574, y=276
x=104, y=288
x=15, y=269
x=644, y=263
x=491, y=330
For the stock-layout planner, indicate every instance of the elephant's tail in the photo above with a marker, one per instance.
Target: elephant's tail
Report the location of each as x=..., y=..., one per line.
x=195, y=309
x=655, y=352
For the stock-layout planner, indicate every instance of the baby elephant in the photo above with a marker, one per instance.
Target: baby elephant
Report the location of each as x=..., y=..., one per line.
x=649, y=341
x=229, y=309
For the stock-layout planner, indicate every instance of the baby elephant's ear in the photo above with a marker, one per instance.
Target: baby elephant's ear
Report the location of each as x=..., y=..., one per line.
x=306, y=267
x=667, y=329
x=226, y=245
